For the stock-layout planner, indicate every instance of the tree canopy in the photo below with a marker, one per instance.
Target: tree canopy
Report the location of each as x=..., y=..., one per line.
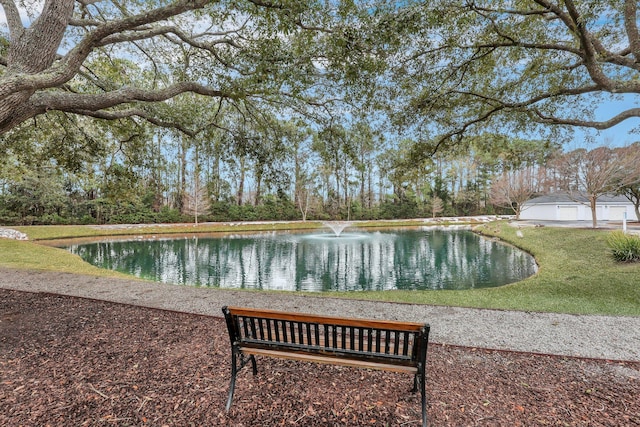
x=512, y=65
x=115, y=59
x=442, y=68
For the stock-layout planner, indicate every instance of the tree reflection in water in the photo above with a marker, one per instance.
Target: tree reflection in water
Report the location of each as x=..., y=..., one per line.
x=399, y=259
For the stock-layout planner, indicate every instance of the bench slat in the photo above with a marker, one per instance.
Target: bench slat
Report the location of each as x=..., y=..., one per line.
x=329, y=360
x=332, y=336
x=304, y=317
x=405, y=344
x=328, y=352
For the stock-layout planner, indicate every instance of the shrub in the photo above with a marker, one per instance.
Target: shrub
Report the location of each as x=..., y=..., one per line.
x=624, y=247
x=169, y=215
x=8, y=217
x=53, y=219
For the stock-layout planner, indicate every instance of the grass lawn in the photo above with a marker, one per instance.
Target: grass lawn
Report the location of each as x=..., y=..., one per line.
x=577, y=273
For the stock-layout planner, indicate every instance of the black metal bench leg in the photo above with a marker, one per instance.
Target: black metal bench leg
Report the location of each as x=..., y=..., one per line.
x=253, y=365
x=419, y=382
x=234, y=372
x=232, y=385
x=423, y=397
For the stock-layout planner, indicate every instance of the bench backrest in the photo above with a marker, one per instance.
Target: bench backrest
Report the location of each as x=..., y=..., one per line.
x=392, y=342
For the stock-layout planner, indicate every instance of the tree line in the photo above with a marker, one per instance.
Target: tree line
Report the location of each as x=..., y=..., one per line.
x=290, y=171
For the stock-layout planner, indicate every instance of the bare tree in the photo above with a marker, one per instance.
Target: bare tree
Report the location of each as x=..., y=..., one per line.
x=197, y=201
x=303, y=197
x=437, y=206
x=513, y=188
x=632, y=190
x=591, y=174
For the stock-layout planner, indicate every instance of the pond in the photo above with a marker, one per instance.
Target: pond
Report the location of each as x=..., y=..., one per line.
x=406, y=259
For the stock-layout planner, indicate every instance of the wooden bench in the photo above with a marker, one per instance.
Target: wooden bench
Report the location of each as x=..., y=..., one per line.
x=374, y=344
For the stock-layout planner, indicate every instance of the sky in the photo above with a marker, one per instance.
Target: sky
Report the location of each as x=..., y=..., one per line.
x=618, y=136
x=23, y=14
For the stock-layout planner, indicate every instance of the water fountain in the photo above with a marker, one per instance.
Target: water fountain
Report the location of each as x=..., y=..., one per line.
x=336, y=226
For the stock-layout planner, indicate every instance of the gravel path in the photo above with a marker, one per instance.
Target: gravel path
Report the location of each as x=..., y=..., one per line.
x=601, y=337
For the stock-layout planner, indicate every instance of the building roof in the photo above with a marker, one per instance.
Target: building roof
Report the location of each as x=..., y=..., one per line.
x=563, y=198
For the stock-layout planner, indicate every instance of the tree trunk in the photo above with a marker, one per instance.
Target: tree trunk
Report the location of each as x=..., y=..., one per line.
x=297, y=178
x=592, y=203
x=256, y=202
x=196, y=184
x=303, y=204
x=241, y=183
x=182, y=191
x=362, y=180
x=31, y=51
x=369, y=189
x=346, y=185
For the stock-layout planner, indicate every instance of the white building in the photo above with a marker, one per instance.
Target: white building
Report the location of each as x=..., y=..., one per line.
x=560, y=207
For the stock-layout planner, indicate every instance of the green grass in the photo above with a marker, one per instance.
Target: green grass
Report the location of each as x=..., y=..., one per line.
x=577, y=273
x=53, y=232
x=29, y=255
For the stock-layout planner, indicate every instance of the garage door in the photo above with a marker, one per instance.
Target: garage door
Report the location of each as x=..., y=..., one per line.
x=567, y=213
x=616, y=213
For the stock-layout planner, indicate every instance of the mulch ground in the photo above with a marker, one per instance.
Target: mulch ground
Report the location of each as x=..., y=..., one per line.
x=68, y=361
